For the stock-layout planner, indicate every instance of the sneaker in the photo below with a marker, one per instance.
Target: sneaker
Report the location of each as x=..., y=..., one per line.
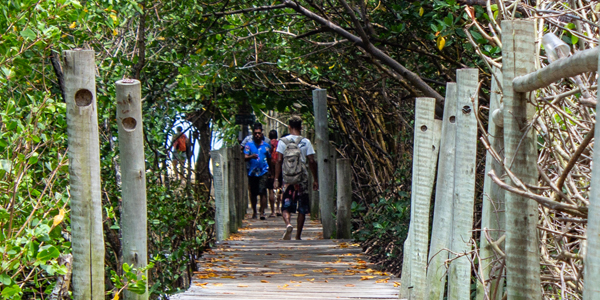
x=254, y=216
x=288, y=233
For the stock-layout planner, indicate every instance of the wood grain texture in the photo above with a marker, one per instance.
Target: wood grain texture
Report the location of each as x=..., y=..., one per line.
x=522, y=249
x=257, y=264
x=326, y=167
x=459, y=276
x=442, y=214
x=492, y=215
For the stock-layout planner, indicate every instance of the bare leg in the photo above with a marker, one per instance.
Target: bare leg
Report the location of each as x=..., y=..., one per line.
x=286, y=217
x=300, y=224
x=253, y=201
x=272, y=202
x=263, y=205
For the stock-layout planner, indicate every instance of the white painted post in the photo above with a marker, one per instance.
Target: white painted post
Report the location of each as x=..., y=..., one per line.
x=344, y=198
x=442, y=213
x=492, y=216
x=326, y=165
x=459, y=277
x=522, y=249
x=133, y=168
x=591, y=286
x=422, y=185
x=221, y=197
x=84, y=170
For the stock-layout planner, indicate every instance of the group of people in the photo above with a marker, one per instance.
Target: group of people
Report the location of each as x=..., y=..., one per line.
x=280, y=164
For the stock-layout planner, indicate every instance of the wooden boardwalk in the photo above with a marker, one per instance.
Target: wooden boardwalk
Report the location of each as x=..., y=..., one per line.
x=257, y=264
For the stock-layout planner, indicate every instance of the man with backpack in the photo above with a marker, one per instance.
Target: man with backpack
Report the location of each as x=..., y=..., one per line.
x=294, y=152
x=179, y=145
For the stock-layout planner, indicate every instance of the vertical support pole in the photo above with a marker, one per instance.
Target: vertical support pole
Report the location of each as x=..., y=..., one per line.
x=315, y=209
x=522, y=249
x=344, y=198
x=326, y=166
x=230, y=188
x=84, y=169
x=459, y=277
x=133, y=167
x=221, y=198
x=442, y=214
x=240, y=186
x=492, y=215
x=422, y=185
x=591, y=287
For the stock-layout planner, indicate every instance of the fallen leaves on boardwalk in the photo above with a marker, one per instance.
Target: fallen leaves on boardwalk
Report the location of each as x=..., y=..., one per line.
x=256, y=261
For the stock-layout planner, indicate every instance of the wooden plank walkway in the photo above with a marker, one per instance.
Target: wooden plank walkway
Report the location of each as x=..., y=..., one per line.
x=257, y=264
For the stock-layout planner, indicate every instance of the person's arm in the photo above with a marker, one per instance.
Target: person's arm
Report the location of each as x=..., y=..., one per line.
x=312, y=165
x=276, y=183
x=249, y=156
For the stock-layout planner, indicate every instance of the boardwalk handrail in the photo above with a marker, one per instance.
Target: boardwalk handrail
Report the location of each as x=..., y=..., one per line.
x=580, y=62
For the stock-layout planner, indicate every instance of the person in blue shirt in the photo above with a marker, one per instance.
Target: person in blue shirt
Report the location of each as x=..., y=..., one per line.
x=258, y=159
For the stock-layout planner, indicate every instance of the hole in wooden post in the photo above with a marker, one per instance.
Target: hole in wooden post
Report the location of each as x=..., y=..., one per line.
x=423, y=128
x=129, y=124
x=466, y=109
x=83, y=97
x=452, y=119
x=433, y=147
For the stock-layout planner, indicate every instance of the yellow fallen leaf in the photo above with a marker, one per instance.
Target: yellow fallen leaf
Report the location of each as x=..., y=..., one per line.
x=217, y=284
x=242, y=285
x=264, y=281
x=382, y=280
x=441, y=42
x=228, y=276
x=58, y=218
x=212, y=275
x=366, y=277
x=299, y=275
x=396, y=284
x=349, y=285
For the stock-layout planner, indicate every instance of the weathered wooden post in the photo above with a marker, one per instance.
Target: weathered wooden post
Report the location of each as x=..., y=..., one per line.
x=492, y=216
x=344, y=198
x=522, y=249
x=221, y=196
x=229, y=188
x=84, y=171
x=326, y=165
x=414, y=285
x=442, y=214
x=315, y=208
x=241, y=186
x=459, y=277
x=591, y=288
x=133, y=168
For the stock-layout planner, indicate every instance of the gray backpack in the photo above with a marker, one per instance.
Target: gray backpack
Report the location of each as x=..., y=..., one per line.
x=293, y=169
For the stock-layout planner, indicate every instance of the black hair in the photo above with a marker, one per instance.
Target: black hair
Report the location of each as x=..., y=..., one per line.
x=179, y=128
x=295, y=122
x=257, y=125
x=272, y=134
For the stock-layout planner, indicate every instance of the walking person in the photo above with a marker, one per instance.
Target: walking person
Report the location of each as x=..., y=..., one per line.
x=179, y=146
x=258, y=157
x=294, y=152
x=274, y=196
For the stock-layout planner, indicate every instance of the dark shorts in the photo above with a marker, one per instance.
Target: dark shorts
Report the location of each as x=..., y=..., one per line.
x=295, y=201
x=258, y=185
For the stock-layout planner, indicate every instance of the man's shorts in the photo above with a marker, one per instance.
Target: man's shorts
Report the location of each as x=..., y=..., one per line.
x=258, y=185
x=296, y=201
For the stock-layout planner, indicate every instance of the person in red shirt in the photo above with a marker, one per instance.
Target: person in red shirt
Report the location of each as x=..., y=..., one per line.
x=179, y=144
